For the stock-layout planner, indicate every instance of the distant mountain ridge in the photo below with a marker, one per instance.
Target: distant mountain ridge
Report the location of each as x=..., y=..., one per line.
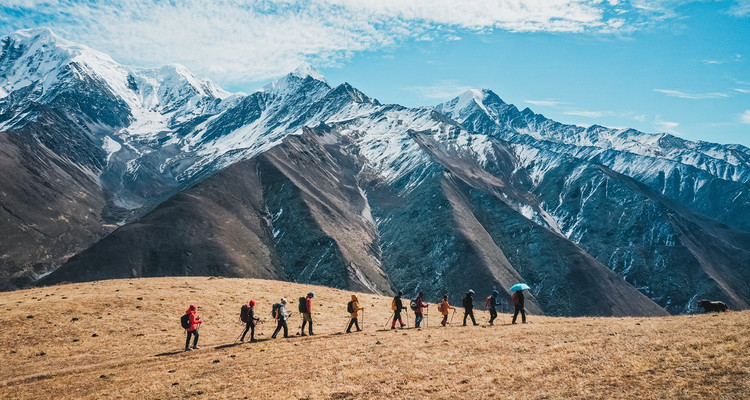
x=123, y=172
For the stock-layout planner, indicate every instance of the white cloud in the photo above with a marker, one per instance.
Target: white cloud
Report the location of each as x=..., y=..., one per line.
x=740, y=9
x=588, y=114
x=713, y=62
x=262, y=39
x=745, y=117
x=443, y=90
x=666, y=126
x=545, y=103
x=693, y=96
x=745, y=91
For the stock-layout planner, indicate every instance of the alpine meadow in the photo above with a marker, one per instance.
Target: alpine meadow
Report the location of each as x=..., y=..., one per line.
x=314, y=242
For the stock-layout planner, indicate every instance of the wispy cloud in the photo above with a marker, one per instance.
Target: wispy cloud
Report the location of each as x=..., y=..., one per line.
x=545, y=103
x=693, y=96
x=443, y=90
x=235, y=41
x=666, y=126
x=740, y=90
x=588, y=114
x=740, y=9
x=713, y=62
x=745, y=117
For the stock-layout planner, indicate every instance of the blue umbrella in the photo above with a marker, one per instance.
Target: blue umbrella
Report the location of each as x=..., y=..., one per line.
x=519, y=286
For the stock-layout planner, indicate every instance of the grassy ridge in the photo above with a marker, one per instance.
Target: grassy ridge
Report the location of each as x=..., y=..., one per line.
x=122, y=338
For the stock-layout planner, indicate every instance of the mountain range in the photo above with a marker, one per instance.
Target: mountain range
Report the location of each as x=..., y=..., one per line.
x=111, y=171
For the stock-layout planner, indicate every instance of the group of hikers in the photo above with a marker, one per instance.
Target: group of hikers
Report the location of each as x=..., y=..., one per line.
x=191, y=321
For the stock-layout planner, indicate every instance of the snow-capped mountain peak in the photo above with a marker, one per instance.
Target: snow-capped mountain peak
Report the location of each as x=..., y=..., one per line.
x=305, y=70
x=291, y=82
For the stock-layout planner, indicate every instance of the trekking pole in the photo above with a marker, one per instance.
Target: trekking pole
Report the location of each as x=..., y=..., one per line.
x=452, y=315
x=389, y=319
x=238, y=336
x=427, y=325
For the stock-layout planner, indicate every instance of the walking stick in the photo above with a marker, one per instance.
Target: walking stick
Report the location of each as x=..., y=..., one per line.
x=427, y=325
x=238, y=336
x=452, y=315
x=363, y=319
x=406, y=312
x=389, y=319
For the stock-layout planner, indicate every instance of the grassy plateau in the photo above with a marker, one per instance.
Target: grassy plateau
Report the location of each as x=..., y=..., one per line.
x=122, y=339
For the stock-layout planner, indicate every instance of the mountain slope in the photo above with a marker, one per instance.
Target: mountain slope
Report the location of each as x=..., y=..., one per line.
x=310, y=182
x=121, y=338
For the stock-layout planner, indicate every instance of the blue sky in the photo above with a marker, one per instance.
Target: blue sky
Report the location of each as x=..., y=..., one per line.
x=657, y=66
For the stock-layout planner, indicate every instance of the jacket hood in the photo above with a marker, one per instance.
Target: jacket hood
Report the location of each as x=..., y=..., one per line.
x=354, y=297
x=191, y=309
x=252, y=303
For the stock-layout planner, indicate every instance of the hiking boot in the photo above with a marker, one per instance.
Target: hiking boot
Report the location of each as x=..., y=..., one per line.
x=196, y=348
x=188, y=349
x=303, y=334
x=360, y=330
x=348, y=331
x=476, y=324
x=312, y=334
x=253, y=340
x=393, y=327
x=273, y=336
x=402, y=326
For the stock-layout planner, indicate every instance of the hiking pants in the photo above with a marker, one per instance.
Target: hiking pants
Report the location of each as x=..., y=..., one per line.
x=493, y=315
x=281, y=324
x=445, y=319
x=354, y=322
x=306, y=317
x=397, y=317
x=249, y=327
x=523, y=314
x=195, y=338
x=418, y=317
x=469, y=313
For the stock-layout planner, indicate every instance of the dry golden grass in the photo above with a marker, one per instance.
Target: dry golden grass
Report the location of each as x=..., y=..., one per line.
x=136, y=353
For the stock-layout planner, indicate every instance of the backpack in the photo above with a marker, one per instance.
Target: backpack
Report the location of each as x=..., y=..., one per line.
x=185, y=321
x=440, y=307
x=393, y=304
x=245, y=313
x=275, y=310
x=488, y=302
x=413, y=304
x=302, y=305
x=468, y=303
x=350, y=307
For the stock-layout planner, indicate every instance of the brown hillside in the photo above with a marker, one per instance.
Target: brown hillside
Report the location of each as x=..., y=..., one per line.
x=122, y=338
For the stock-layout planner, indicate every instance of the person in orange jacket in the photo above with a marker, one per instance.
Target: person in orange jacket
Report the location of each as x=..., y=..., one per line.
x=195, y=322
x=444, y=307
x=354, y=310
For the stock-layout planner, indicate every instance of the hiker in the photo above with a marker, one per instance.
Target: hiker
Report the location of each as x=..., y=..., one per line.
x=419, y=306
x=247, y=315
x=397, y=305
x=194, y=322
x=491, y=305
x=469, y=307
x=354, y=309
x=443, y=308
x=279, y=313
x=518, y=302
x=305, y=308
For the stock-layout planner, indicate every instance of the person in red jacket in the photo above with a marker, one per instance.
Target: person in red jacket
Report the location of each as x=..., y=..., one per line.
x=307, y=314
x=195, y=322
